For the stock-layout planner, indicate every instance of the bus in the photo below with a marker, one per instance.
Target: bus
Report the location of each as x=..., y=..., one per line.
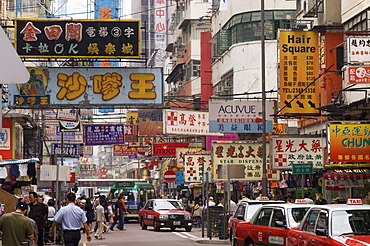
x=135, y=194
x=91, y=187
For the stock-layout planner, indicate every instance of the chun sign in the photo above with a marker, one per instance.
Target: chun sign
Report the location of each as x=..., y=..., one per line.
x=194, y=167
x=77, y=38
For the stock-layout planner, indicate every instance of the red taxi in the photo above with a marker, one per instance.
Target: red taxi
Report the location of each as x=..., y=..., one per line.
x=334, y=225
x=244, y=212
x=270, y=224
x=165, y=213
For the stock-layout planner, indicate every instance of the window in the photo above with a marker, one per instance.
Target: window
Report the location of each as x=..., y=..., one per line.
x=322, y=222
x=263, y=218
x=277, y=216
x=240, y=210
x=309, y=225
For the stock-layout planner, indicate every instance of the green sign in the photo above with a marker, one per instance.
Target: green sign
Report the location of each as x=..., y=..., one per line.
x=125, y=184
x=302, y=168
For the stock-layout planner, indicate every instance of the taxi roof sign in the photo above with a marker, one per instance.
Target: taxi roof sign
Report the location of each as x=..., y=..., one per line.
x=354, y=201
x=300, y=201
x=263, y=198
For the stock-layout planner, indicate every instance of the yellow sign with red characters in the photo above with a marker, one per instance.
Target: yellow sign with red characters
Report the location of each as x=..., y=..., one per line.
x=350, y=143
x=299, y=67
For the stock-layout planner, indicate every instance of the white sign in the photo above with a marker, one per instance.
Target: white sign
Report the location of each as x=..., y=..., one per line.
x=180, y=152
x=184, y=122
x=244, y=159
x=358, y=49
x=238, y=116
x=193, y=167
x=289, y=150
x=49, y=173
x=67, y=114
x=5, y=139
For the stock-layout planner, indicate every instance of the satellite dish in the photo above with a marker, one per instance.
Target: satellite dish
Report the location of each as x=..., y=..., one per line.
x=12, y=69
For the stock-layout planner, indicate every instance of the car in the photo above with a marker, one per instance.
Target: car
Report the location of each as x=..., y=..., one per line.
x=244, y=212
x=334, y=225
x=270, y=224
x=165, y=213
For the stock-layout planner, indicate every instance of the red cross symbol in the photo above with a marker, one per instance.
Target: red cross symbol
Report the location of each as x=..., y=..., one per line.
x=280, y=160
x=172, y=118
x=191, y=171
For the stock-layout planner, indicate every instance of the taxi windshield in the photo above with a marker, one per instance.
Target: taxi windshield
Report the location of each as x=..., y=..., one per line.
x=168, y=205
x=351, y=222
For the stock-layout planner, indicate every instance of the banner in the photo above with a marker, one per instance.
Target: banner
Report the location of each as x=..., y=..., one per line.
x=299, y=67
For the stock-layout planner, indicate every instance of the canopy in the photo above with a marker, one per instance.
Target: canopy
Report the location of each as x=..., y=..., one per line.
x=19, y=161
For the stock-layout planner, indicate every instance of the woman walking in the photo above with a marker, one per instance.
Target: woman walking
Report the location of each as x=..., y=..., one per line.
x=89, y=213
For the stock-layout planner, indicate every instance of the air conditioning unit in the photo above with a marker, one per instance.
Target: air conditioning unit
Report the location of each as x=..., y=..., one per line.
x=219, y=88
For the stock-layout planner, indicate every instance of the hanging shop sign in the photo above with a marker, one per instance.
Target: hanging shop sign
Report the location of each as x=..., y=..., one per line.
x=239, y=116
x=358, y=49
x=245, y=160
x=103, y=134
x=124, y=150
x=150, y=122
x=184, y=122
x=293, y=149
x=359, y=75
x=132, y=118
x=299, y=67
x=77, y=38
x=193, y=165
x=180, y=152
x=168, y=150
x=6, y=141
x=226, y=137
x=68, y=149
x=131, y=133
x=349, y=143
x=98, y=86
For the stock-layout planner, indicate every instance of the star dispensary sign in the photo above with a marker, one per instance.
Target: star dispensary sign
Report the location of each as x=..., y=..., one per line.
x=77, y=38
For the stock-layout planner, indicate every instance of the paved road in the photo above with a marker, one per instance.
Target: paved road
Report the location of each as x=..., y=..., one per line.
x=135, y=236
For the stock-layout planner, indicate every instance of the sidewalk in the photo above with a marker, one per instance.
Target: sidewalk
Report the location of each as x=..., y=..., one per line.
x=206, y=240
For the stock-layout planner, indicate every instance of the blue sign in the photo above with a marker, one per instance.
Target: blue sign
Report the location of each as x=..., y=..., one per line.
x=179, y=177
x=31, y=100
x=239, y=127
x=67, y=135
x=104, y=134
x=68, y=149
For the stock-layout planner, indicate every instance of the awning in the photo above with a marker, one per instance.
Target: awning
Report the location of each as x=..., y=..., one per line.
x=341, y=176
x=19, y=161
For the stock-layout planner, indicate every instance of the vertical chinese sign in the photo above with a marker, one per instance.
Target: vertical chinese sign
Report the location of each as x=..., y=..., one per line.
x=245, y=160
x=350, y=143
x=299, y=67
x=160, y=34
x=289, y=150
x=194, y=167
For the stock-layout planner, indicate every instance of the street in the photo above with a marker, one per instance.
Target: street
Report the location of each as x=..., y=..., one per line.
x=135, y=236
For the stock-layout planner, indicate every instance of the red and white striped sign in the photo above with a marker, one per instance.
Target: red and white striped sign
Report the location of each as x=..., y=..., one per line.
x=170, y=176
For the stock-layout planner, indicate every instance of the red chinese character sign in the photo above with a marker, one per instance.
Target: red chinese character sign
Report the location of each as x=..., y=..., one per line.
x=193, y=165
x=181, y=152
x=289, y=150
x=100, y=87
x=186, y=122
x=105, y=38
x=359, y=75
x=131, y=133
x=244, y=159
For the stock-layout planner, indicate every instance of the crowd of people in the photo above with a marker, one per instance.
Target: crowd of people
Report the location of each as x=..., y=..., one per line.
x=36, y=223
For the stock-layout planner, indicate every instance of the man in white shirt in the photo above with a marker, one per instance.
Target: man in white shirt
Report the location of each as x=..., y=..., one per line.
x=211, y=201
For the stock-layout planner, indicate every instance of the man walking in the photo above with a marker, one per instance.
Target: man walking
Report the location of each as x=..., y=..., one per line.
x=15, y=227
x=71, y=217
x=39, y=213
x=119, y=214
x=100, y=219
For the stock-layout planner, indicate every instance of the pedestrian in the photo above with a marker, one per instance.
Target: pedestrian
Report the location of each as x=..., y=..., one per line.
x=38, y=212
x=320, y=200
x=89, y=209
x=232, y=206
x=307, y=198
x=51, y=213
x=197, y=214
x=71, y=217
x=15, y=227
x=100, y=219
x=120, y=210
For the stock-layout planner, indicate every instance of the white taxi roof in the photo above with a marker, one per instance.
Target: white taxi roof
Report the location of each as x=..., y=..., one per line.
x=339, y=207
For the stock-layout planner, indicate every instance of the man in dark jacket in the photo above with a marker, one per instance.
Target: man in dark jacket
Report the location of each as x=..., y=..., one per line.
x=39, y=213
